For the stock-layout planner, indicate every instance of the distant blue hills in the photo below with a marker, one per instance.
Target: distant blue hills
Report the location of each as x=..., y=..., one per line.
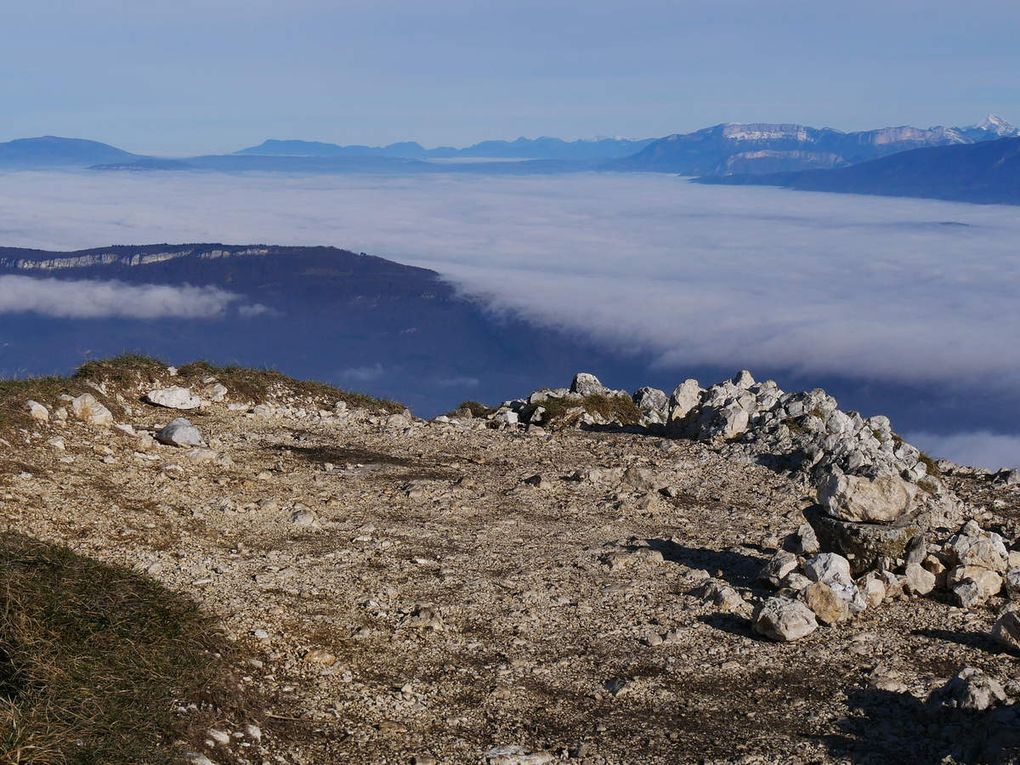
x=790, y=155
x=519, y=149
x=52, y=151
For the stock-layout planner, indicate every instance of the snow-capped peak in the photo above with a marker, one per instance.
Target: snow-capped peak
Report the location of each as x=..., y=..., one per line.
x=993, y=123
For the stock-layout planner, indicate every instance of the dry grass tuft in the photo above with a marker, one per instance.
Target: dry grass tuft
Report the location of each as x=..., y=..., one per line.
x=131, y=373
x=475, y=408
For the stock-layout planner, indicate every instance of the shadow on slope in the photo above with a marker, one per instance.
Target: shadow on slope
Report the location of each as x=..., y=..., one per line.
x=896, y=727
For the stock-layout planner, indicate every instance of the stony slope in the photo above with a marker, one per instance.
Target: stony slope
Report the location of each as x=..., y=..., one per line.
x=476, y=589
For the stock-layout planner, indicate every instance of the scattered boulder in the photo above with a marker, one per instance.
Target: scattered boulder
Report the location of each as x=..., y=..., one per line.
x=826, y=603
x=87, y=409
x=972, y=546
x=918, y=580
x=971, y=689
x=174, y=397
x=784, y=620
x=863, y=544
x=972, y=586
x=1006, y=630
x=180, y=432
x=686, y=396
x=38, y=412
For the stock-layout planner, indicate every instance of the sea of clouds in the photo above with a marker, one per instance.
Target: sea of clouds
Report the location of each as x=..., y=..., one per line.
x=885, y=291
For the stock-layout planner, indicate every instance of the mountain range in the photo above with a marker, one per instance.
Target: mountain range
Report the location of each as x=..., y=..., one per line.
x=765, y=148
x=797, y=156
x=986, y=172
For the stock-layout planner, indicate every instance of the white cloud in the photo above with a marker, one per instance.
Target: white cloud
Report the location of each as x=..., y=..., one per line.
x=95, y=299
x=362, y=374
x=992, y=450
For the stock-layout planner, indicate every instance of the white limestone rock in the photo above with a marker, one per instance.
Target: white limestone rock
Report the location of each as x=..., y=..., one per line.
x=587, y=384
x=784, y=620
x=826, y=603
x=38, y=412
x=180, y=432
x=686, y=396
x=918, y=580
x=972, y=546
x=972, y=586
x=87, y=409
x=854, y=498
x=174, y=397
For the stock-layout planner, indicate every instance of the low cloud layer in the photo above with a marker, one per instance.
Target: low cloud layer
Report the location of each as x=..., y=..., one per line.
x=95, y=299
x=884, y=291
x=992, y=450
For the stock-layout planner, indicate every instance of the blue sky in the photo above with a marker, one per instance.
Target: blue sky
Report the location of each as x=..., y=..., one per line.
x=190, y=75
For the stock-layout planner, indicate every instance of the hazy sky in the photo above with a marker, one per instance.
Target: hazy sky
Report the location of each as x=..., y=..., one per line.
x=186, y=76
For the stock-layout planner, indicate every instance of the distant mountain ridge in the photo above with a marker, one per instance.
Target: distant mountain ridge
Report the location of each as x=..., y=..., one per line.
x=730, y=149
x=986, y=173
x=520, y=148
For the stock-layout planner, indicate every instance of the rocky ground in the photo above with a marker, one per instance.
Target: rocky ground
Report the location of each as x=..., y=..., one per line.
x=412, y=591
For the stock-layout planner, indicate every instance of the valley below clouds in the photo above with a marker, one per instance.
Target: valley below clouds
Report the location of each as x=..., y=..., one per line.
x=907, y=301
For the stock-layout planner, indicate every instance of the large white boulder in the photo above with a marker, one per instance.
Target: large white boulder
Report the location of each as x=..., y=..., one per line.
x=686, y=396
x=873, y=500
x=174, y=397
x=587, y=384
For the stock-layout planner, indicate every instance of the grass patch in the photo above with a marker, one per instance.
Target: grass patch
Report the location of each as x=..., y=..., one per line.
x=930, y=465
x=125, y=371
x=612, y=408
x=475, y=408
x=258, y=385
x=95, y=662
x=14, y=396
x=130, y=373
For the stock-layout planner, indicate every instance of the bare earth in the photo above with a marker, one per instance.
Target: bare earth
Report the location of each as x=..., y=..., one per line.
x=433, y=606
